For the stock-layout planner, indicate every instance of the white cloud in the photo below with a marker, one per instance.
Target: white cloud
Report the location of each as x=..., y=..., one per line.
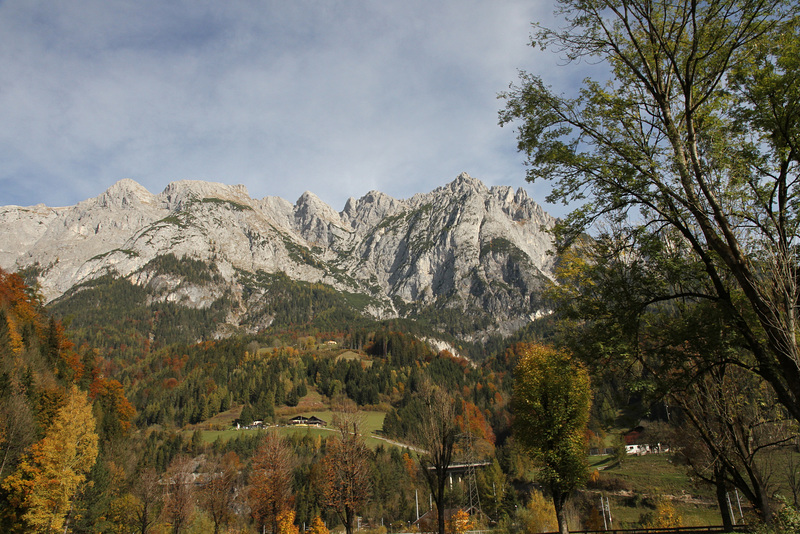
x=336, y=97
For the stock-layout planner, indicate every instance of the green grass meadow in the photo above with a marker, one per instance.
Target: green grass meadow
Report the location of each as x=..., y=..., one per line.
x=636, y=486
x=371, y=422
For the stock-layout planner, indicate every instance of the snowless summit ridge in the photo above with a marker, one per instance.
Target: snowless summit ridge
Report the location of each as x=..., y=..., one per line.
x=461, y=245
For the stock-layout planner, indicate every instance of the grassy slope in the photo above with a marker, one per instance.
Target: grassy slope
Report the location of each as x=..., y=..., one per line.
x=372, y=422
x=637, y=484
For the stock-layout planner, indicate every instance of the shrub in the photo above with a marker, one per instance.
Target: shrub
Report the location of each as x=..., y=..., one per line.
x=785, y=521
x=664, y=516
x=539, y=515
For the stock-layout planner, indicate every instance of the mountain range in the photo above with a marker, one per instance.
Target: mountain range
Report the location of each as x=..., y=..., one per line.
x=461, y=249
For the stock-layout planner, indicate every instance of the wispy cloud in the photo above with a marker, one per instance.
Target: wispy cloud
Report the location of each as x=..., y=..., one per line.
x=336, y=97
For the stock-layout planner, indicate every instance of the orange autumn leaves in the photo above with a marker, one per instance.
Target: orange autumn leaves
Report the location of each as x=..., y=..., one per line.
x=20, y=308
x=21, y=312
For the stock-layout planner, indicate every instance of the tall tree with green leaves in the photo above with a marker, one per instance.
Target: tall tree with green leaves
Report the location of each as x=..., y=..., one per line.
x=690, y=155
x=681, y=354
x=552, y=398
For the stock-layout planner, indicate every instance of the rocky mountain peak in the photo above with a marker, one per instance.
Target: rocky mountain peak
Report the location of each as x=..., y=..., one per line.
x=465, y=183
x=464, y=188
x=310, y=203
x=177, y=194
x=125, y=194
x=317, y=221
x=369, y=209
x=464, y=180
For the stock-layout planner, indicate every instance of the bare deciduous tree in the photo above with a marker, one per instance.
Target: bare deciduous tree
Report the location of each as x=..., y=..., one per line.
x=437, y=434
x=149, y=496
x=179, y=502
x=734, y=428
x=221, y=475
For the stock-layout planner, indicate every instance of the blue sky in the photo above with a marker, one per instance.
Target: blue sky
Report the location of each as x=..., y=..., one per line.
x=335, y=97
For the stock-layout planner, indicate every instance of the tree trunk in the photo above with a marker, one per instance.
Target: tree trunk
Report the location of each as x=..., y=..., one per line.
x=559, y=502
x=764, y=507
x=348, y=520
x=722, y=498
x=440, y=508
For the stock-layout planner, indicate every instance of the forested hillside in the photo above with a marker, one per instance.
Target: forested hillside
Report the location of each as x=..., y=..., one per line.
x=61, y=417
x=145, y=406
x=167, y=433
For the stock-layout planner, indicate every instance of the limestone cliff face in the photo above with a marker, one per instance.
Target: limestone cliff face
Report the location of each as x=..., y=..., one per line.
x=461, y=246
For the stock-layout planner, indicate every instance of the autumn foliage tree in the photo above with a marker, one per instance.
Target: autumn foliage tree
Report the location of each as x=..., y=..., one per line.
x=116, y=411
x=459, y=523
x=19, y=417
x=19, y=307
x=270, y=486
x=552, y=397
x=663, y=517
x=473, y=424
x=318, y=526
x=346, y=475
x=286, y=522
x=49, y=476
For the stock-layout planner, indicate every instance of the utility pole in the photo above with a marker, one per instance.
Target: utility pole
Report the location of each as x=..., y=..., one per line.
x=603, y=511
x=739, y=502
x=730, y=507
x=474, y=502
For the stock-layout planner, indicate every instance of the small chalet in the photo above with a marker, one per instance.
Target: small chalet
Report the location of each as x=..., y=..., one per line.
x=638, y=442
x=307, y=421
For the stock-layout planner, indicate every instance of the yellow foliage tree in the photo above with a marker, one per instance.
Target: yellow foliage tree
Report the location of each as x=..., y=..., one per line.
x=286, y=523
x=539, y=515
x=51, y=473
x=664, y=516
x=459, y=523
x=122, y=514
x=318, y=526
x=552, y=398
